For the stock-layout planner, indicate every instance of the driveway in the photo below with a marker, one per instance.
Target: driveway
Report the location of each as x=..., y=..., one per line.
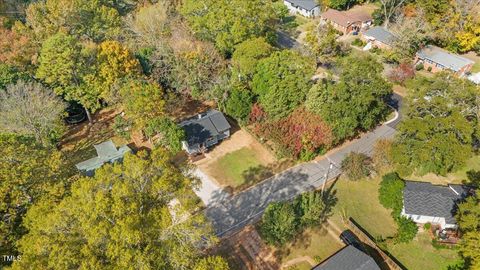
x=208, y=189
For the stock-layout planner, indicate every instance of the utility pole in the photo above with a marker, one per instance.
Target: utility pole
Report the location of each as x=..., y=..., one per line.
x=325, y=178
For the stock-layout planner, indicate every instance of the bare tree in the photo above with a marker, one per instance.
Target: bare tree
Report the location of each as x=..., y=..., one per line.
x=411, y=33
x=30, y=109
x=390, y=8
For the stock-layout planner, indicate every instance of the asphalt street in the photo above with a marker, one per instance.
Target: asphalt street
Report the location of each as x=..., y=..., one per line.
x=230, y=213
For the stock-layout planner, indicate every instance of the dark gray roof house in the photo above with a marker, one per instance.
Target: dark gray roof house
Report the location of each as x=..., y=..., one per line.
x=380, y=34
x=204, y=130
x=348, y=258
x=427, y=203
x=107, y=152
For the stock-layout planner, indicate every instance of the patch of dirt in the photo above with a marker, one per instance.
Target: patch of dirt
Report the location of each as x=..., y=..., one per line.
x=246, y=250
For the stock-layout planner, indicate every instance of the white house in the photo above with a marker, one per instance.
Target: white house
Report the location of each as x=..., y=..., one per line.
x=204, y=131
x=427, y=203
x=307, y=8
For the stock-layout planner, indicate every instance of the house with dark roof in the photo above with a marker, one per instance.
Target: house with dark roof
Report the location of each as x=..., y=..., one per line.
x=107, y=152
x=352, y=20
x=379, y=37
x=427, y=203
x=204, y=131
x=307, y=8
x=435, y=59
x=348, y=258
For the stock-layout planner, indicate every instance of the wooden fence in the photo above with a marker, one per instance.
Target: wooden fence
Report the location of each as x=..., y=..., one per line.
x=367, y=239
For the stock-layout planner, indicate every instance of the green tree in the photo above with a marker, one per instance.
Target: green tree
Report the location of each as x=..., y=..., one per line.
x=10, y=75
x=340, y=4
x=29, y=172
x=121, y=218
x=32, y=110
x=279, y=223
x=247, y=55
x=310, y=208
x=322, y=41
x=357, y=166
x=142, y=101
x=228, y=22
x=390, y=193
x=239, y=103
x=212, y=263
x=407, y=230
x=281, y=82
x=170, y=134
x=468, y=218
x=81, y=18
x=356, y=102
x=438, y=131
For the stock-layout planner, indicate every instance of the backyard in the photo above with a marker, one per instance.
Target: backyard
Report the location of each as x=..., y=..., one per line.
x=359, y=200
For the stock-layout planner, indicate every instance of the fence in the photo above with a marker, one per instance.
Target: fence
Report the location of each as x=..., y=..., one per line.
x=367, y=239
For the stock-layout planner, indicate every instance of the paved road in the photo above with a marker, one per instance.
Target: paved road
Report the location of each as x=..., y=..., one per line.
x=231, y=213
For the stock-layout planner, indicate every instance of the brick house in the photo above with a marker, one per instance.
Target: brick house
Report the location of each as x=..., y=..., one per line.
x=347, y=21
x=435, y=59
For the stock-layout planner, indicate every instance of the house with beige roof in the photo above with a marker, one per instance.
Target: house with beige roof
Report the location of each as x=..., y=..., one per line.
x=347, y=21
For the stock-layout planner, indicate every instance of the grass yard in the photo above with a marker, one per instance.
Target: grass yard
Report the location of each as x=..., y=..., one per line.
x=419, y=254
x=316, y=243
x=359, y=200
x=239, y=168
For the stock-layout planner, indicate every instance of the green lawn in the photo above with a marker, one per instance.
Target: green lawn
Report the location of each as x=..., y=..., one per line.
x=419, y=254
x=241, y=167
x=360, y=200
x=476, y=67
x=316, y=243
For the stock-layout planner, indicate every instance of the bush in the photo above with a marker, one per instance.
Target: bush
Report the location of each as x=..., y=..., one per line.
x=357, y=166
x=407, y=229
x=427, y=226
x=309, y=208
x=171, y=135
x=429, y=69
x=419, y=67
x=279, y=223
x=391, y=192
x=122, y=127
x=358, y=42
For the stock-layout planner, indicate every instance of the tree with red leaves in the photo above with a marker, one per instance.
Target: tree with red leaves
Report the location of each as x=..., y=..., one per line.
x=401, y=73
x=302, y=134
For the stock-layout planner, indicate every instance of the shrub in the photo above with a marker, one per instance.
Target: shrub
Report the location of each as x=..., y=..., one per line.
x=427, y=226
x=401, y=73
x=122, y=127
x=391, y=192
x=309, y=208
x=356, y=166
x=279, y=223
x=171, y=135
x=429, y=69
x=407, y=229
x=419, y=67
x=358, y=42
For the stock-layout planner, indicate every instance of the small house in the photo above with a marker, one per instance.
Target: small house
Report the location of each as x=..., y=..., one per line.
x=348, y=258
x=107, y=152
x=204, y=131
x=378, y=37
x=352, y=20
x=427, y=203
x=306, y=8
x=435, y=59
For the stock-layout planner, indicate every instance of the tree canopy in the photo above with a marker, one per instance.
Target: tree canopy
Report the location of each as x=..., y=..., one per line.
x=281, y=82
x=120, y=218
x=440, y=125
x=229, y=22
x=356, y=101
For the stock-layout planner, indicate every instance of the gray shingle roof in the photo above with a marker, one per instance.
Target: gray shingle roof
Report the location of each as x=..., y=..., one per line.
x=444, y=58
x=380, y=34
x=199, y=130
x=106, y=152
x=348, y=258
x=305, y=4
x=421, y=198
